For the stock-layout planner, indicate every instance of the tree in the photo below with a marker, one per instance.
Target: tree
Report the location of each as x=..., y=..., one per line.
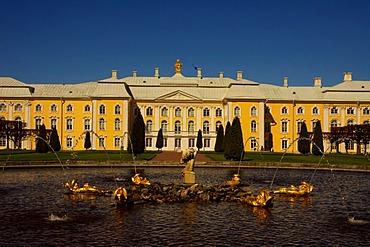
x=318, y=144
x=137, y=136
x=234, y=149
x=41, y=143
x=226, y=137
x=199, y=140
x=87, y=143
x=159, y=143
x=219, y=146
x=54, y=140
x=303, y=141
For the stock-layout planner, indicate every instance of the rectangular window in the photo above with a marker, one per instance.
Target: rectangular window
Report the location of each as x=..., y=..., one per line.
x=177, y=143
x=2, y=141
x=87, y=125
x=148, y=142
x=191, y=142
x=117, y=142
x=164, y=142
x=284, y=127
x=207, y=143
x=284, y=144
x=101, y=142
x=350, y=145
x=69, y=125
x=254, y=144
x=53, y=123
x=69, y=142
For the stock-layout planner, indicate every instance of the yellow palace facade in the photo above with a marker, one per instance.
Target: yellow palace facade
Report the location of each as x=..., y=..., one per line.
x=180, y=106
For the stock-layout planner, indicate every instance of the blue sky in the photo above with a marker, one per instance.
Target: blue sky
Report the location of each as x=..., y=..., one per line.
x=51, y=41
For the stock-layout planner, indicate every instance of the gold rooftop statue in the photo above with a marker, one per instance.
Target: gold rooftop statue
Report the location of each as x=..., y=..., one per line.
x=178, y=66
x=302, y=190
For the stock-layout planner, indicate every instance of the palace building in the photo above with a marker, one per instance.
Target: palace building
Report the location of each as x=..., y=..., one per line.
x=180, y=106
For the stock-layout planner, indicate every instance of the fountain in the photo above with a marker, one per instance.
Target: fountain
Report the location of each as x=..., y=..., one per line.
x=188, y=159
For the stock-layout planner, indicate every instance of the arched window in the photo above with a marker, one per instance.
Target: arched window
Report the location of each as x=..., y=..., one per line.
x=18, y=107
x=218, y=112
x=69, y=108
x=284, y=110
x=350, y=122
x=38, y=108
x=366, y=111
x=101, y=124
x=117, y=124
x=315, y=110
x=254, y=111
x=300, y=110
x=102, y=109
x=149, y=111
x=350, y=111
x=253, y=126
x=117, y=109
x=366, y=122
x=206, y=112
x=178, y=112
x=334, y=123
x=164, y=126
x=206, y=127
x=191, y=112
x=237, y=111
x=149, y=126
x=164, y=112
x=17, y=119
x=2, y=107
x=53, y=108
x=218, y=124
x=177, y=127
x=334, y=110
x=191, y=127
x=87, y=108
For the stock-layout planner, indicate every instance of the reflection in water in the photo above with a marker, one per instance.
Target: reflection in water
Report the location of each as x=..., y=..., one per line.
x=35, y=211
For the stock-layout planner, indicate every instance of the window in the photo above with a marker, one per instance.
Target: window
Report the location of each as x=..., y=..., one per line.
x=206, y=127
x=299, y=126
x=334, y=110
x=69, y=108
x=69, y=142
x=149, y=111
x=102, y=109
x=254, y=126
x=102, y=142
x=117, y=142
x=191, y=112
x=254, y=144
x=177, y=127
x=2, y=141
x=38, y=108
x=284, y=126
x=218, y=124
x=117, y=110
x=254, y=111
x=148, y=142
x=300, y=110
x=53, y=108
x=237, y=111
x=149, y=126
x=69, y=124
x=366, y=111
x=38, y=123
x=53, y=123
x=191, y=127
x=334, y=123
x=350, y=122
x=2, y=107
x=164, y=126
x=178, y=112
x=350, y=145
x=164, y=142
x=87, y=108
x=218, y=112
x=366, y=122
x=18, y=107
x=284, y=144
x=177, y=143
x=284, y=110
x=101, y=124
x=117, y=124
x=206, y=112
x=164, y=112
x=315, y=111
x=350, y=111
x=191, y=143
x=87, y=124
x=207, y=143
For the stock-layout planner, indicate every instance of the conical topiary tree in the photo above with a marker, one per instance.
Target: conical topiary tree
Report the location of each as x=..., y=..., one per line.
x=226, y=137
x=318, y=144
x=304, y=141
x=159, y=143
x=234, y=149
x=219, y=146
x=199, y=140
x=41, y=143
x=137, y=136
x=54, y=140
x=87, y=143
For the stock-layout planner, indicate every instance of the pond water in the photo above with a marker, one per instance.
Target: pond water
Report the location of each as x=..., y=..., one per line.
x=34, y=211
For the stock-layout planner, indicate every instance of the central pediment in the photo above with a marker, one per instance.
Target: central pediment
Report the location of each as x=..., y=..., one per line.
x=178, y=96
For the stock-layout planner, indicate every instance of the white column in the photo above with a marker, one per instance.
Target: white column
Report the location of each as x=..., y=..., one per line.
x=342, y=117
x=94, y=124
x=326, y=119
x=261, y=124
x=28, y=121
x=11, y=110
x=170, y=127
x=184, y=109
x=125, y=116
x=199, y=118
x=358, y=115
x=213, y=125
x=157, y=124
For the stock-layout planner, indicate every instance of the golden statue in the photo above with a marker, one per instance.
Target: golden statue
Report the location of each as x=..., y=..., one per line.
x=234, y=181
x=263, y=199
x=178, y=66
x=74, y=187
x=120, y=195
x=302, y=190
x=137, y=179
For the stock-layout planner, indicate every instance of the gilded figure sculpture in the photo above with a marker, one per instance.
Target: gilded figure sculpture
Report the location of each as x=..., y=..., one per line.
x=188, y=159
x=75, y=188
x=120, y=196
x=234, y=181
x=137, y=179
x=302, y=190
x=263, y=199
x=178, y=66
